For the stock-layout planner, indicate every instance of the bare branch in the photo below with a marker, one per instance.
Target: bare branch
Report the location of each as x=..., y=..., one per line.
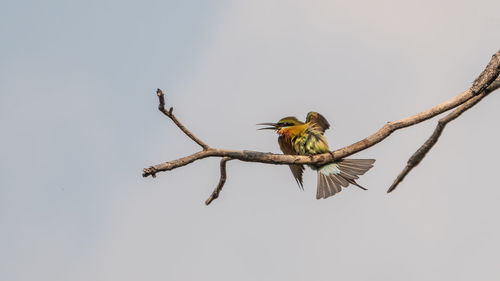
x=419, y=155
x=170, y=115
x=222, y=180
x=462, y=102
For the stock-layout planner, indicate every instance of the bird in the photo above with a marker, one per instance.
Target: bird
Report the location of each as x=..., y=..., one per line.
x=307, y=138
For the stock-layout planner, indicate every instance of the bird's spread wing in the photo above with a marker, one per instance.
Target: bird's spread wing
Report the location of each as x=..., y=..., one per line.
x=297, y=170
x=317, y=121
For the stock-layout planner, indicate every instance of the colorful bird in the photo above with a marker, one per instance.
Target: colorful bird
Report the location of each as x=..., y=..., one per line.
x=299, y=138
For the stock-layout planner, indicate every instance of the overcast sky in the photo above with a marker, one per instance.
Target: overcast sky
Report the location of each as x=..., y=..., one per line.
x=79, y=121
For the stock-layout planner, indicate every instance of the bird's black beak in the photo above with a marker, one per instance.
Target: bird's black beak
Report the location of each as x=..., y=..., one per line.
x=272, y=126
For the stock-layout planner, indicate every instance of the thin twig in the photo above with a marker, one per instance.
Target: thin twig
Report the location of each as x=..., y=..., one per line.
x=222, y=180
x=171, y=115
x=419, y=155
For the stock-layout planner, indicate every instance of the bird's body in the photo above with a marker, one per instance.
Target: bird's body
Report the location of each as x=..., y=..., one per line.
x=306, y=138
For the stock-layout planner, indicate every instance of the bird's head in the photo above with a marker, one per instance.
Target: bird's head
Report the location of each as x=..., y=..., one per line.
x=284, y=126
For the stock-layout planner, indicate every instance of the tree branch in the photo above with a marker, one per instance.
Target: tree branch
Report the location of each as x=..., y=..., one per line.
x=472, y=95
x=419, y=155
x=171, y=115
x=222, y=180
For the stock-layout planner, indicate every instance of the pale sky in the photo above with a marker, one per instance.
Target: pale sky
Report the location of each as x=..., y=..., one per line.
x=79, y=121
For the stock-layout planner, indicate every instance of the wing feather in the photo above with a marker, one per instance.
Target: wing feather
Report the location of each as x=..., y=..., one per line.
x=317, y=121
x=297, y=170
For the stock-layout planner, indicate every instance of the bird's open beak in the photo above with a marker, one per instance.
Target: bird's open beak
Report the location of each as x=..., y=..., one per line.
x=272, y=126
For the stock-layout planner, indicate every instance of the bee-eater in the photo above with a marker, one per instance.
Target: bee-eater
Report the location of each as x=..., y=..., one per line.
x=299, y=138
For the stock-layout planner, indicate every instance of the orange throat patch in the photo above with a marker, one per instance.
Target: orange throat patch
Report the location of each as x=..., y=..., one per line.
x=292, y=131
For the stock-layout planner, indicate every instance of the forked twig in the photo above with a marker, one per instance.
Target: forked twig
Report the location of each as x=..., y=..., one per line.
x=171, y=115
x=419, y=155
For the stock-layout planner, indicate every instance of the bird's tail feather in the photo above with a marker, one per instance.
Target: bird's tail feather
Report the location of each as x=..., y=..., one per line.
x=332, y=177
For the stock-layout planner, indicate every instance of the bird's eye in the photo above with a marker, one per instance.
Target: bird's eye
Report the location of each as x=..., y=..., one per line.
x=285, y=124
